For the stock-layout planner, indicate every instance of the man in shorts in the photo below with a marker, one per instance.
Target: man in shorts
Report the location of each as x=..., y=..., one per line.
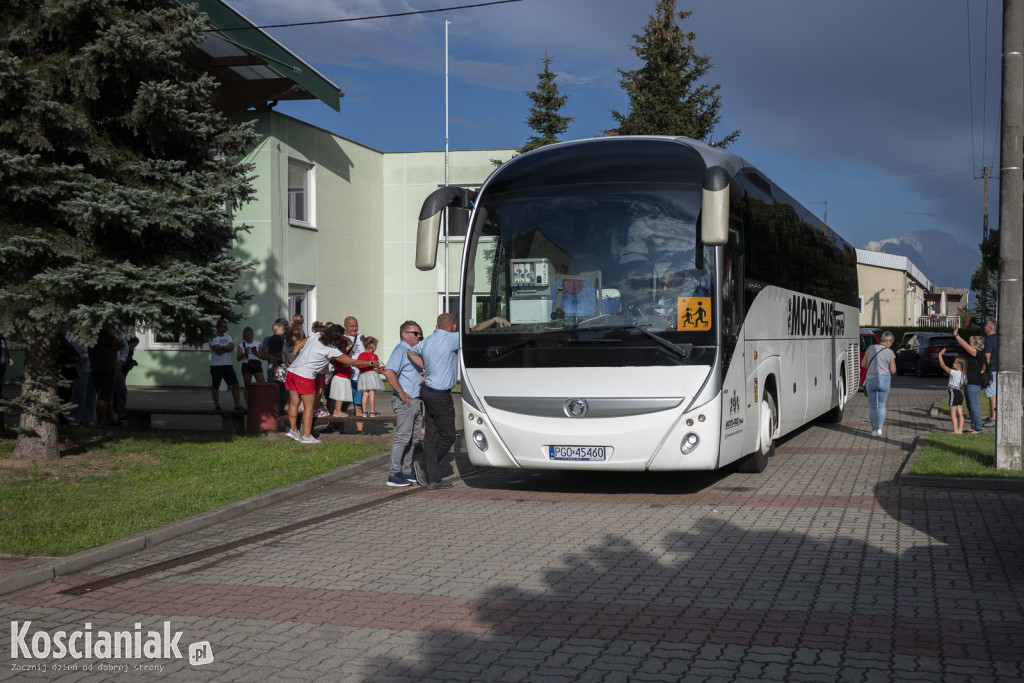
x=992, y=362
x=221, y=367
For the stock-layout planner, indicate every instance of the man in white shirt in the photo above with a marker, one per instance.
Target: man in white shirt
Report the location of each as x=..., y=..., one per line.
x=221, y=367
x=352, y=332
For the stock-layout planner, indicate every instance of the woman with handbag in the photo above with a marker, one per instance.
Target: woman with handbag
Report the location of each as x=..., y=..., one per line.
x=881, y=364
x=975, y=376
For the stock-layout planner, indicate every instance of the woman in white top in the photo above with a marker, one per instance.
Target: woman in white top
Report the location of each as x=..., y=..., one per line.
x=249, y=354
x=881, y=364
x=313, y=359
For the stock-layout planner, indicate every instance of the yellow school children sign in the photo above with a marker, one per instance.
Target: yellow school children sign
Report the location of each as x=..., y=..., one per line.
x=694, y=314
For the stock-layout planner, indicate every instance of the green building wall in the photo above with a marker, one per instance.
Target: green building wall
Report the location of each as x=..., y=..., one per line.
x=356, y=255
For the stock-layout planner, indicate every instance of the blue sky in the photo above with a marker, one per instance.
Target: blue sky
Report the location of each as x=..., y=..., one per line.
x=884, y=109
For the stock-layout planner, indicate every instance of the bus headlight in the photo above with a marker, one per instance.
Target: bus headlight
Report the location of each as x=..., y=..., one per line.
x=480, y=440
x=690, y=442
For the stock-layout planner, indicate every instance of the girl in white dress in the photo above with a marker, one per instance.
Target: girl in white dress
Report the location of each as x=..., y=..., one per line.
x=370, y=380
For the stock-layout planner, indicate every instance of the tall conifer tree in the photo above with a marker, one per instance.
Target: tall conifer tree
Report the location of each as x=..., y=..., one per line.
x=666, y=95
x=985, y=280
x=116, y=178
x=544, y=118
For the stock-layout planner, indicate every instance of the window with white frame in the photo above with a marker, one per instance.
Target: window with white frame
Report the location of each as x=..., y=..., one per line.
x=152, y=341
x=300, y=192
x=456, y=221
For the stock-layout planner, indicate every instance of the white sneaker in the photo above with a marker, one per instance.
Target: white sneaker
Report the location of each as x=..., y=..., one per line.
x=294, y=435
x=309, y=439
x=878, y=433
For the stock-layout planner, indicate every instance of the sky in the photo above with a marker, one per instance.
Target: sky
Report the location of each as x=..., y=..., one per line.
x=876, y=115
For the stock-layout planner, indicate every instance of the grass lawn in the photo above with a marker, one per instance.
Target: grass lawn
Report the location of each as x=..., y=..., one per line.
x=118, y=485
x=961, y=455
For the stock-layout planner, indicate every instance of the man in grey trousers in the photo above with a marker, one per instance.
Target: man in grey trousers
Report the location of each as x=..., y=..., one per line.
x=404, y=377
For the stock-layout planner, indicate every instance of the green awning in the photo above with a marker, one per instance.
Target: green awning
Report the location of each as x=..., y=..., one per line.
x=252, y=67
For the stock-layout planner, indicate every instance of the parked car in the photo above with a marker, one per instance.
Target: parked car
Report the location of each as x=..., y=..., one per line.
x=867, y=340
x=920, y=353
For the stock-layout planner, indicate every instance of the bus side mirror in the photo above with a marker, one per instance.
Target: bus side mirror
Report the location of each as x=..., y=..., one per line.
x=429, y=228
x=715, y=207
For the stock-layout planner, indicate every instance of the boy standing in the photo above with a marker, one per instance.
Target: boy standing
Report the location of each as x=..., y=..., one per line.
x=221, y=368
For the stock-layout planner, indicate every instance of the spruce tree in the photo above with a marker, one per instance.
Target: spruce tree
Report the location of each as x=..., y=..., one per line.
x=116, y=179
x=666, y=95
x=544, y=117
x=985, y=280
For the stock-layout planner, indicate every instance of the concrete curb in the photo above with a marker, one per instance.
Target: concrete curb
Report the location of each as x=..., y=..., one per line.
x=967, y=483
x=85, y=559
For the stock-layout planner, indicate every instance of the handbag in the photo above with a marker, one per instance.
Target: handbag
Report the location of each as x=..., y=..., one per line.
x=279, y=372
x=986, y=379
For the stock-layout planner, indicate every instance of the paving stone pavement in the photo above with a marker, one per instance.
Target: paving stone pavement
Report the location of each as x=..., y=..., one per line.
x=820, y=569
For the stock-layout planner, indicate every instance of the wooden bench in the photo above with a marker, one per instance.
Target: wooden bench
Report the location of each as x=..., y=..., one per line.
x=141, y=419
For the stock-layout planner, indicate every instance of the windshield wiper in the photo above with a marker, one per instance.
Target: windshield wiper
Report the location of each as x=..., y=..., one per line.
x=494, y=353
x=681, y=351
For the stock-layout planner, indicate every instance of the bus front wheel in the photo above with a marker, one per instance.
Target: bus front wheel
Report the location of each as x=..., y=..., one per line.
x=768, y=419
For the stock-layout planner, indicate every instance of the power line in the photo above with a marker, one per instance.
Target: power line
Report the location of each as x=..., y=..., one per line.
x=378, y=16
x=884, y=179
x=984, y=90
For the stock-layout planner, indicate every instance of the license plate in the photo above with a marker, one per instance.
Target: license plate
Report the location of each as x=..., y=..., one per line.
x=576, y=452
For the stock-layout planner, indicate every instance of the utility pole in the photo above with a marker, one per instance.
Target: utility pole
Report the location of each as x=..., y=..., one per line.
x=1011, y=240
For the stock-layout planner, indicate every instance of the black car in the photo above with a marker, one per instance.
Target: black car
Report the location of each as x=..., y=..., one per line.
x=920, y=353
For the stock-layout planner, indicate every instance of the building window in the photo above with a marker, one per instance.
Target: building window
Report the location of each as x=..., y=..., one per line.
x=456, y=221
x=151, y=341
x=479, y=312
x=300, y=192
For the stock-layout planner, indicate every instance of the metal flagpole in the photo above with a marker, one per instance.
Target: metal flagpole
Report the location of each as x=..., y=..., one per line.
x=447, y=222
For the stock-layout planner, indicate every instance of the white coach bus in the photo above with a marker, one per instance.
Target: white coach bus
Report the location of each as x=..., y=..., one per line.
x=670, y=308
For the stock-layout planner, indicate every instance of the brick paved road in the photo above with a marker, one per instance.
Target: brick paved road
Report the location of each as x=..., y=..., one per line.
x=821, y=569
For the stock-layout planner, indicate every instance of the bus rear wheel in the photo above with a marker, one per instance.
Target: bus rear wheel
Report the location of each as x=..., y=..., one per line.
x=768, y=418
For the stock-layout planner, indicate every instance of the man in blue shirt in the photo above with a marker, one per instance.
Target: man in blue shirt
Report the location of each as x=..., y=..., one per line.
x=404, y=377
x=440, y=354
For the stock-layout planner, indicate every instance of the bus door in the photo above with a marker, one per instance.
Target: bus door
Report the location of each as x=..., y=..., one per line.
x=737, y=419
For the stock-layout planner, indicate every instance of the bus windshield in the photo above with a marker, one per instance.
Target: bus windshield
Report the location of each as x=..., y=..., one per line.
x=613, y=264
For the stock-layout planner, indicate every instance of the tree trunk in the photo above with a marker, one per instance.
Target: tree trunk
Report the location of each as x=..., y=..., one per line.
x=38, y=424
